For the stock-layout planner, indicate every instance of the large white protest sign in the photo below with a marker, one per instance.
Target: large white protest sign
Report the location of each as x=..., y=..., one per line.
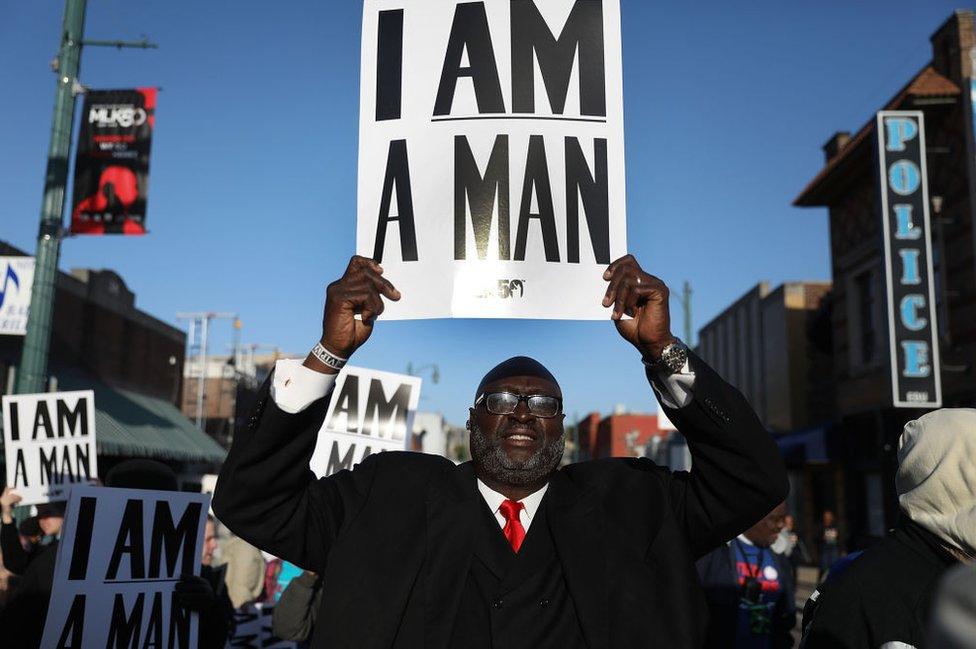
x=16, y=282
x=491, y=155
x=370, y=411
x=120, y=556
x=252, y=629
x=49, y=443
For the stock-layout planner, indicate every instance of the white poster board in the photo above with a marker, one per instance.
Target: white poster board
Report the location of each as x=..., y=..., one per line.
x=121, y=553
x=49, y=443
x=253, y=629
x=16, y=282
x=491, y=155
x=370, y=411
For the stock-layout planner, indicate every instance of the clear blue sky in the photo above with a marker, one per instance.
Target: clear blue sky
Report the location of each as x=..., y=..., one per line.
x=253, y=186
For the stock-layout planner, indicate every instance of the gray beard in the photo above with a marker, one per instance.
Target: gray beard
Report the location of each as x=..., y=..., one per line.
x=490, y=459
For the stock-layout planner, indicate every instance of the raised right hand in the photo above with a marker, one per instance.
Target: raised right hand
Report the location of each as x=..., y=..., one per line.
x=8, y=500
x=360, y=290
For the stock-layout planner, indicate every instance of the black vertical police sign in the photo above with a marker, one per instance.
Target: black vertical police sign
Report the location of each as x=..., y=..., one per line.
x=497, y=128
x=120, y=557
x=913, y=329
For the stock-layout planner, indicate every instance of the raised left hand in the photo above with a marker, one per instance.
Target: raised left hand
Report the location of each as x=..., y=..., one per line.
x=644, y=298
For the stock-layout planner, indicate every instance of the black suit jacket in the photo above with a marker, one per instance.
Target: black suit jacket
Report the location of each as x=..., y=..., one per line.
x=393, y=538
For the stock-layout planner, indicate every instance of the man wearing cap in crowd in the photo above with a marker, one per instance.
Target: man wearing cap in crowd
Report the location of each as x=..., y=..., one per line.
x=23, y=617
x=886, y=594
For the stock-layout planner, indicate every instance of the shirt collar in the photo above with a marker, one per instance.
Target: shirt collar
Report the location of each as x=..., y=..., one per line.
x=495, y=499
x=742, y=538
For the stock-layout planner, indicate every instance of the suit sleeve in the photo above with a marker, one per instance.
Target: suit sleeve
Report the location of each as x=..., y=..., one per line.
x=267, y=495
x=737, y=475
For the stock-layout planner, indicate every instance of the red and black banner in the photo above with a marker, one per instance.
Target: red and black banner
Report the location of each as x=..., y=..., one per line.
x=112, y=165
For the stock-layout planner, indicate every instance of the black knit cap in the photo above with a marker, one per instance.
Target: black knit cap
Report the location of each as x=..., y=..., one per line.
x=30, y=527
x=142, y=474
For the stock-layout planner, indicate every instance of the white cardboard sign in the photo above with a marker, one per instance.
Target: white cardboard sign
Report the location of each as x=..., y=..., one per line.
x=16, y=283
x=49, y=443
x=491, y=155
x=370, y=411
x=120, y=556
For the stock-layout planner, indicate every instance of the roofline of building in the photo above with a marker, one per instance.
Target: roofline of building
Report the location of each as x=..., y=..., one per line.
x=78, y=287
x=811, y=196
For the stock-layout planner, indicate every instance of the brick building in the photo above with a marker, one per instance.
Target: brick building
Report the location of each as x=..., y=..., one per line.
x=132, y=360
x=617, y=435
x=847, y=186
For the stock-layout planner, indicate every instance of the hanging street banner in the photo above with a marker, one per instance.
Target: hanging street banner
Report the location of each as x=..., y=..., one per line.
x=913, y=338
x=49, y=443
x=369, y=411
x=112, y=165
x=16, y=282
x=491, y=155
x=252, y=629
x=121, y=553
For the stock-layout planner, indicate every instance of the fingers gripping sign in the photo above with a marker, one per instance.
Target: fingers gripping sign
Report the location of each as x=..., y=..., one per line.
x=352, y=304
x=644, y=298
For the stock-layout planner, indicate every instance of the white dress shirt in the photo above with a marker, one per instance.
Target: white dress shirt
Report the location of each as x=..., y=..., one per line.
x=295, y=386
x=530, y=504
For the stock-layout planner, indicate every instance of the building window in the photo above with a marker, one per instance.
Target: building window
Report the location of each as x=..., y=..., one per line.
x=865, y=336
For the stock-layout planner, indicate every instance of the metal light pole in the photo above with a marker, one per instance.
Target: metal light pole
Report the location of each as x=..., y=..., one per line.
x=685, y=300
x=33, y=362
x=201, y=321
x=37, y=341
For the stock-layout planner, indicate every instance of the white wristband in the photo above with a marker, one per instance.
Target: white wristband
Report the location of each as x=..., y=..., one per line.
x=328, y=358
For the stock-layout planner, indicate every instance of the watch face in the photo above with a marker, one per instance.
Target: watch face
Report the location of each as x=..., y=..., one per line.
x=675, y=357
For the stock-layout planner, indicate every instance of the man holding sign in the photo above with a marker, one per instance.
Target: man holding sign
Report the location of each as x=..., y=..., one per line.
x=508, y=549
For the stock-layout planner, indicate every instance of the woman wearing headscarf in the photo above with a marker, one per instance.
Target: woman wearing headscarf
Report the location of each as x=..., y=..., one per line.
x=883, y=600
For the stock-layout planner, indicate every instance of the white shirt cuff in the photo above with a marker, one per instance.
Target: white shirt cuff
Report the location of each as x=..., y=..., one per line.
x=294, y=386
x=675, y=390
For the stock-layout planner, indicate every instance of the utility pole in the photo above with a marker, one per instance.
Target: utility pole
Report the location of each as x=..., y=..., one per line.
x=198, y=338
x=33, y=362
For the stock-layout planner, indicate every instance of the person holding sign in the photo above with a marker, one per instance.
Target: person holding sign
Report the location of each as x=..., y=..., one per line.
x=508, y=549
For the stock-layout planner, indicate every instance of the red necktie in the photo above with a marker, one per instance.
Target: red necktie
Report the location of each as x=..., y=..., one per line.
x=513, y=531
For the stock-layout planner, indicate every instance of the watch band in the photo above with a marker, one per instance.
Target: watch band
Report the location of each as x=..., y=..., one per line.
x=327, y=357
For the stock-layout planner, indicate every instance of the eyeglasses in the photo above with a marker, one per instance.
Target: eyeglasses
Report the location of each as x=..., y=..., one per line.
x=505, y=403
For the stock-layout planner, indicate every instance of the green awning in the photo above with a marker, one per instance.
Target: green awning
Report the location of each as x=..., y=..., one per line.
x=135, y=425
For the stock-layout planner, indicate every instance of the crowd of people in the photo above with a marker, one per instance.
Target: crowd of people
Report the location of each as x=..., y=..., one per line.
x=513, y=550
x=234, y=575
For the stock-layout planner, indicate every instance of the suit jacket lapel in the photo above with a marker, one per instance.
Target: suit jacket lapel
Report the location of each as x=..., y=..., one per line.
x=576, y=522
x=451, y=523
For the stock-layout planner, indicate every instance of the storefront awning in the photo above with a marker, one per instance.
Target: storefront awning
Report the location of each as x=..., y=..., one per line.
x=130, y=424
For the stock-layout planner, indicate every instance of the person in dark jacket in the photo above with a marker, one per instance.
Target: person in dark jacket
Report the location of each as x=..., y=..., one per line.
x=294, y=614
x=750, y=590
x=22, y=619
x=49, y=519
x=884, y=597
x=507, y=549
